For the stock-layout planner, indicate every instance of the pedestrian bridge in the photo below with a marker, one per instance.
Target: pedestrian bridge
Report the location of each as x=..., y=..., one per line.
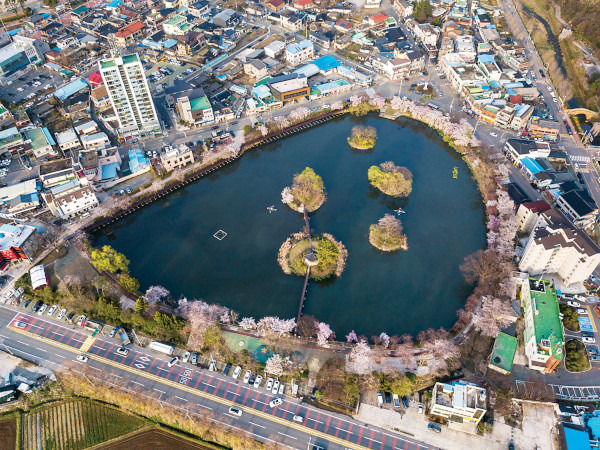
x=589, y=114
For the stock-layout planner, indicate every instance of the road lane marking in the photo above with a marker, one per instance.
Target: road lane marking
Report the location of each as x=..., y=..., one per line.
x=206, y=395
x=203, y=406
x=287, y=435
x=181, y=398
x=257, y=425
x=22, y=343
x=158, y=390
x=136, y=382
x=61, y=356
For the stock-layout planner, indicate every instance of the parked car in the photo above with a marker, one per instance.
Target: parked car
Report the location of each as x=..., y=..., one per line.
x=405, y=401
x=227, y=369
x=37, y=306
x=235, y=411
x=236, y=372
x=81, y=320
x=276, y=387
x=594, y=358
x=388, y=397
x=52, y=309
x=420, y=408
x=582, y=311
x=257, y=381
x=573, y=303
x=62, y=313
x=82, y=358
x=113, y=332
x=247, y=376
x=42, y=310
x=212, y=367
x=173, y=361
x=396, y=400
x=28, y=302
x=269, y=384
x=380, y=399
x=588, y=340
x=275, y=402
x=186, y=357
x=434, y=427
x=123, y=351
x=195, y=358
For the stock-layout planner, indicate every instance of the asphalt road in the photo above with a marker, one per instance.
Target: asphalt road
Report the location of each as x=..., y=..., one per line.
x=49, y=342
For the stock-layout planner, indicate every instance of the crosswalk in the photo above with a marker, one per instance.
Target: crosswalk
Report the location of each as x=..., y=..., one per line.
x=87, y=344
x=580, y=158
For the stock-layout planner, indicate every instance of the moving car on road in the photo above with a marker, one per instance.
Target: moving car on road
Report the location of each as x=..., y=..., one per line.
x=235, y=411
x=123, y=351
x=20, y=325
x=275, y=402
x=82, y=358
x=298, y=419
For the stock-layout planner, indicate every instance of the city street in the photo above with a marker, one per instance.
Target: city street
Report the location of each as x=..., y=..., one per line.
x=51, y=343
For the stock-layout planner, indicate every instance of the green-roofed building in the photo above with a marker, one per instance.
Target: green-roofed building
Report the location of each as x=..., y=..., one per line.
x=543, y=335
x=503, y=353
x=194, y=107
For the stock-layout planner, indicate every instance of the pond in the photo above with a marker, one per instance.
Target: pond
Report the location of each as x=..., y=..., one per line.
x=171, y=242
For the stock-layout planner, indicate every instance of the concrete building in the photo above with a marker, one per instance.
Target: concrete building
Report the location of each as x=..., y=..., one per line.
x=226, y=18
x=19, y=56
x=10, y=140
x=95, y=141
x=543, y=334
x=296, y=54
x=460, y=402
x=543, y=129
x=67, y=140
x=130, y=34
x=41, y=141
x=518, y=149
x=578, y=206
x=18, y=242
x=173, y=158
x=56, y=172
x=555, y=246
x=71, y=198
x=528, y=214
x=130, y=96
x=256, y=69
x=290, y=87
x=194, y=107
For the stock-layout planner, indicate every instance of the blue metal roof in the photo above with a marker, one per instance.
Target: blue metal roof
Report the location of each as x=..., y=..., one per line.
x=48, y=136
x=577, y=439
x=327, y=62
x=532, y=165
x=109, y=171
x=70, y=89
x=137, y=161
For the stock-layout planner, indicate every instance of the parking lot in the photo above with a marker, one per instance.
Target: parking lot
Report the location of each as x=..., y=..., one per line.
x=167, y=72
x=28, y=86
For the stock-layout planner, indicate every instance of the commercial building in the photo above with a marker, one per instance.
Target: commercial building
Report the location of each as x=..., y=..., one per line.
x=459, y=402
x=543, y=129
x=543, y=334
x=173, y=158
x=10, y=140
x=555, y=246
x=130, y=96
x=290, y=87
x=518, y=149
x=578, y=206
x=18, y=57
x=18, y=242
x=299, y=53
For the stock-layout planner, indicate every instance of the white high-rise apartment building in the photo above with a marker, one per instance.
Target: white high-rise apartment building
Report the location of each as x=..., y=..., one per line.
x=130, y=97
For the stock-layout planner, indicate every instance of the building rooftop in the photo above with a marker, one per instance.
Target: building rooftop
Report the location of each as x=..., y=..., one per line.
x=38, y=138
x=55, y=166
x=546, y=317
x=14, y=236
x=200, y=103
x=302, y=45
x=503, y=353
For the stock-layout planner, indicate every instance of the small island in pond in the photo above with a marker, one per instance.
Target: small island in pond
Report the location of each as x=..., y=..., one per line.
x=387, y=234
x=363, y=138
x=391, y=179
x=307, y=191
x=323, y=254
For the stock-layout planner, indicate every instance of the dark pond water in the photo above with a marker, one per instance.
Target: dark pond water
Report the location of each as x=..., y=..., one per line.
x=171, y=243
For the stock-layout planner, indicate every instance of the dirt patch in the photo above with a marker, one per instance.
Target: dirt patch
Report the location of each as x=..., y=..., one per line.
x=155, y=439
x=8, y=434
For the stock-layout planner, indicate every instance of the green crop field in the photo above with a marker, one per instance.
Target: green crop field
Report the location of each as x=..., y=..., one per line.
x=75, y=424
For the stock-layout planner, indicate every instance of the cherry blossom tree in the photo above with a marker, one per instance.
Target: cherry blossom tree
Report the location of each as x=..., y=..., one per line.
x=335, y=106
x=324, y=332
x=493, y=222
x=356, y=100
x=493, y=315
x=385, y=339
x=286, y=195
x=352, y=337
x=299, y=113
x=282, y=326
x=224, y=317
x=282, y=122
x=155, y=294
x=248, y=323
x=276, y=365
x=379, y=102
x=200, y=315
x=360, y=359
x=263, y=130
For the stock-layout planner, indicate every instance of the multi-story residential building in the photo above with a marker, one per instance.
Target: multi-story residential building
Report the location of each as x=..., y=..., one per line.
x=543, y=334
x=194, y=107
x=173, y=158
x=130, y=34
x=465, y=47
x=528, y=214
x=226, y=18
x=256, y=69
x=404, y=8
x=459, y=402
x=41, y=142
x=296, y=54
x=130, y=96
x=86, y=127
x=95, y=141
x=555, y=246
x=579, y=207
x=176, y=26
x=99, y=97
x=461, y=74
x=71, y=198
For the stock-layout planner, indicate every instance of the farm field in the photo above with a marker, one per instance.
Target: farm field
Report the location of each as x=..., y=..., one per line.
x=8, y=434
x=75, y=424
x=155, y=439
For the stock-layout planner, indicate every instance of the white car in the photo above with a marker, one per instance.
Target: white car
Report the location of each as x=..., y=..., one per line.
x=123, y=351
x=554, y=100
x=235, y=411
x=298, y=418
x=236, y=372
x=588, y=340
x=247, y=376
x=276, y=387
x=574, y=304
x=269, y=383
x=82, y=358
x=62, y=313
x=549, y=88
x=173, y=361
x=42, y=310
x=281, y=388
x=186, y=357
x=81, y=320
x=582, y=311
x=275, y=402
x=257, y=381
x=52, y=309
x=493, y=134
